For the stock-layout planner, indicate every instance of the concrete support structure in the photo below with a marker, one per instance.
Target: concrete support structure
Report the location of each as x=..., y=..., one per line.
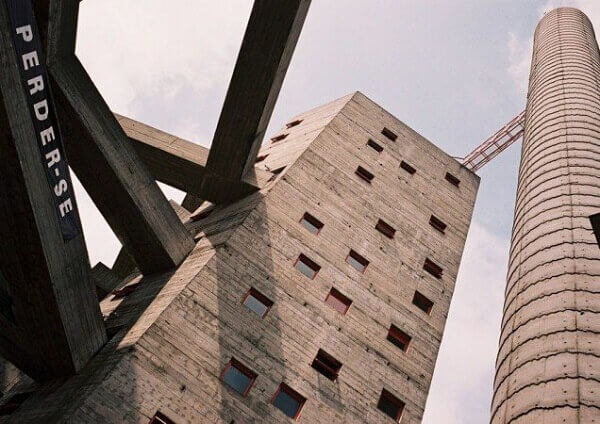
x=548, y=365
x=174, y=334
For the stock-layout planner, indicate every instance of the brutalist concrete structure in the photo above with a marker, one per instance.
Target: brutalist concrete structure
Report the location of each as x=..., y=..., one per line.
x=548, y=365
x=321, y=298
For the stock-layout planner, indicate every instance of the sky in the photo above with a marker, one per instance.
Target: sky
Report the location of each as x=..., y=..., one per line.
x=455, y=71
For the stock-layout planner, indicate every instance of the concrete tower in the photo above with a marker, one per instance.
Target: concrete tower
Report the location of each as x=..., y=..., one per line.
x=548, y=365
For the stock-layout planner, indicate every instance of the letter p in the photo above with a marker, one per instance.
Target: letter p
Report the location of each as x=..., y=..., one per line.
x=25, y=31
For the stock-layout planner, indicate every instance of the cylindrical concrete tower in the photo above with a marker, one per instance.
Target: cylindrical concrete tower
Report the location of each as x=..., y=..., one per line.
x=548, y=365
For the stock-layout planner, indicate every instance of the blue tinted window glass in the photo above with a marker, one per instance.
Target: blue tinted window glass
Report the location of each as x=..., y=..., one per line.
x=235, y=379
x=305, y=269
x=255, y=305
x=287, y=404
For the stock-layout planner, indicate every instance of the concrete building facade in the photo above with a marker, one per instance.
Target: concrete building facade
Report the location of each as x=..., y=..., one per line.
x=322, y=298
x=548, y=365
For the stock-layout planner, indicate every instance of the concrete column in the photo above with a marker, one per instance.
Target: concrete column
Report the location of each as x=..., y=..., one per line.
x=548, y=365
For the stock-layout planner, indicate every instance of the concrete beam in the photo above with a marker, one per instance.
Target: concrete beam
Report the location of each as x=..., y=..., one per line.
x=50, y=320
x=265, y=54
x=173, y=160
x=105, y=161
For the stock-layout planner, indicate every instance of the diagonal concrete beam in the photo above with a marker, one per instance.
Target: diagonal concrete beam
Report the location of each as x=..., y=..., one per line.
x=50, y=320
x=105, y=161
x=264, y=57
x=173, y=160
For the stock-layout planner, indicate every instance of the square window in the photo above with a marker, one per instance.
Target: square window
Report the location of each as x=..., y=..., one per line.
x=289, y=401
x=12, y=404
x=237, y=376
x=338, y=301
x=293, y=123
x=385, y=229
x=390, y=405
x=374, y=145
x=407, y=168
x=433, y=268
x=312, y=224
x=421, y=302
x=307, y=266
x=364, y=174
x=357, y=261
x=398, y=337
x=121, y=293
x=257, y=302
x=389, y=134
x=327, y=365
x=279, y=138
x=452, y=179
x=438, y=224
x=261, y=158
x=160, y=418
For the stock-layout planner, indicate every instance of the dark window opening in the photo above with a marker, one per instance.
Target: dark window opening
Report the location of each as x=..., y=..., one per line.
x=288, y=401
x=364, y=174
x=261, y=158
x=312, y=224
x=293, y=123
x=385, y=229
x=390, y=405
x=160, y=418
x=257, y=302
x=204, y=213
x=237, y=376
x=433, y=268
x=373, y=145
x=398, y=338
x=423, y=303
x=279, y=138
x=357, y=261
x=407, y=168
x=12, y=404
x=327, y=365
x=389, y=134
x=452, y=179
x=438, y=224
x=307, y=266
x=338, y=301
x=276, y=172
x=121, y=293
x=595, y=221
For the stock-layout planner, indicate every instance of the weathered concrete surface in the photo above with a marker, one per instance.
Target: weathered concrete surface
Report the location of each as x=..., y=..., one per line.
x=548, y=365
x=176, y=332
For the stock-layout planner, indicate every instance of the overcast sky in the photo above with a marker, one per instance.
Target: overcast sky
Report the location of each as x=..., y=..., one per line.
x=454, y=70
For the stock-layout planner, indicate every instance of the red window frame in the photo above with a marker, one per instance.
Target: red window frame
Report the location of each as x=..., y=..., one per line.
x=408, y=168
x=389, y=134
x=398, y=337
x=261, y=298
x=385, y=229
x=438, y=224
x=293, y=123
x=422, y=302
x=375, y=146
x=293, y=394
x=160, y=418
x=312, y=221
x=452, y=179
x=433, y=268
x=358, y=258
x=241, y=368
x=309, y=263
x=340, y=300
x=363, y=174
x=279, y=138
x=386, y=394
x=327, y=365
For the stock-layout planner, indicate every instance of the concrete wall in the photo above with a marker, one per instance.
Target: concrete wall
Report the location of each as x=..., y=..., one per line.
x=175, y=364
x=548, y=365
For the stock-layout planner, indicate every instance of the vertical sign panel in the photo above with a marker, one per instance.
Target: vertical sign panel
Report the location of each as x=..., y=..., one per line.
x=34, y=78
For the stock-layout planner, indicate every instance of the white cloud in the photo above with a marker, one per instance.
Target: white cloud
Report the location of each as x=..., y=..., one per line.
x=462, y=384
x=519, y=51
